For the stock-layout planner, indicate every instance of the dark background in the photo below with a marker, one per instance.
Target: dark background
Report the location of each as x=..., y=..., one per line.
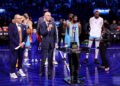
x=59, y=9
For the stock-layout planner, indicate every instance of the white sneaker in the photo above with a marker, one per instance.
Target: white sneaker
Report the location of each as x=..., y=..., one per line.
x=25, y=60
x=40, y=60
x=13, y=75
x=28, y=64
x=21, y=73
x=36, y=60
x=32, y=60
x=55, y=62
x=46, y=62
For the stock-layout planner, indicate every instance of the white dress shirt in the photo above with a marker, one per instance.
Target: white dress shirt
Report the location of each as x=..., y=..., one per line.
x=96, y=26
x=19, y=28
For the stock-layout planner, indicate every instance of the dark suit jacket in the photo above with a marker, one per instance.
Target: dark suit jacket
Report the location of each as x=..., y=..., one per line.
x=49, y=38
x=14, y=35
x=41, y=20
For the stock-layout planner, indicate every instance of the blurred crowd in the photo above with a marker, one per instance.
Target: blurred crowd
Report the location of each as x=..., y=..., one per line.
x=59, y=9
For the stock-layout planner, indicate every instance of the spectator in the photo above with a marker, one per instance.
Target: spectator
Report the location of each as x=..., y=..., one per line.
x=34, y=45
x=113, y=26
x=61, y=32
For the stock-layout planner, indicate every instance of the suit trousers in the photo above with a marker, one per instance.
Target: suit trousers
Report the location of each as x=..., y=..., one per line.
x=44, y=54
x=16, y=55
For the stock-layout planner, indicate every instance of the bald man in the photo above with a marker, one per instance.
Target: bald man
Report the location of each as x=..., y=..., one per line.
x=41, y=20
x=96, y=23
x=49, y=42
x=18, y=36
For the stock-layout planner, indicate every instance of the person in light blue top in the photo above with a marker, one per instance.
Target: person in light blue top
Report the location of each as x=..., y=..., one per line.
x=67, y=39
x=74, y=31
x=28, y=25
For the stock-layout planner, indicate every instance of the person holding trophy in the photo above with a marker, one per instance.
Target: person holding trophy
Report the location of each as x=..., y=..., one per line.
x=74, y=30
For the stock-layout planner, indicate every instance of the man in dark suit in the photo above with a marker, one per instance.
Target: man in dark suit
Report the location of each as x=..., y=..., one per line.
x=49, y=42
x=41, y=20
x=17, y=35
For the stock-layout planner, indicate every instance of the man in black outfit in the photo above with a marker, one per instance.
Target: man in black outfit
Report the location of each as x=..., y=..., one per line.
x=49, y=42
x=61, y=34
x=104, y=45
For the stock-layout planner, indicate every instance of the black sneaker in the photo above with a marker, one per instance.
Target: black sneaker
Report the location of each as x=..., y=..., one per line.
x=85, y=61
x=49, y=77
x=64, y=59
x=41, y=74
x=88, y=50
x=96, y=61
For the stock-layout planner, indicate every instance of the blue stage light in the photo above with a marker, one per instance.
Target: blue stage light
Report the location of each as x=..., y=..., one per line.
x=102, y=11
x=2, y=10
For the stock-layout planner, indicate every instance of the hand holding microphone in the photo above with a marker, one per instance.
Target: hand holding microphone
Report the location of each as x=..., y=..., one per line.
x=50, y=26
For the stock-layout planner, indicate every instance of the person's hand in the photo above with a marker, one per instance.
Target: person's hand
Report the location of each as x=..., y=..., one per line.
x=22, y=45
x=30, y=41
x=101, y=38
x=56, y=45
x=63, y=34
x=50, y=26
x=41, y=36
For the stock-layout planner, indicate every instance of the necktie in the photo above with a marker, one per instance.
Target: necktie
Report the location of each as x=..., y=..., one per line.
x=47, y=24
x=20, y=33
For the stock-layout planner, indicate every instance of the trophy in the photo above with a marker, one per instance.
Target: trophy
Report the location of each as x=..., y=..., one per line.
x=73, y=43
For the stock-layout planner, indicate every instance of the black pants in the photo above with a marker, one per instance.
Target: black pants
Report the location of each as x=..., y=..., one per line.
x=16, y=55
x=103, y=48
x=59, y=41
x=46, y=53
x=74, y=62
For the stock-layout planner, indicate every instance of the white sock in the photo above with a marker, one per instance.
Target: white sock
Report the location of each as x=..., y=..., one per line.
x=90, y=43
x=89, y=46
x=87, y=55
x=26, y=52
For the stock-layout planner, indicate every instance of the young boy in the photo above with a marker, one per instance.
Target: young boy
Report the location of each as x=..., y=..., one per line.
x=35, y=39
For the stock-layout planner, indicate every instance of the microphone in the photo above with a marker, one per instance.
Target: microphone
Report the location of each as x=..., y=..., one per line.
x=50, y=23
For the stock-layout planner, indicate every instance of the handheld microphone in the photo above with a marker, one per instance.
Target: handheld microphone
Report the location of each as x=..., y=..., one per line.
x=50, y=23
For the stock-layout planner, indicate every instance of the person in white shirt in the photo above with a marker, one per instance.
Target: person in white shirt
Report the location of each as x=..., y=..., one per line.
x=96, y=23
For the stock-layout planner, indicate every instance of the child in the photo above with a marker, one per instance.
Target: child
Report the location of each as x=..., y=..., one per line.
x=34, y=45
